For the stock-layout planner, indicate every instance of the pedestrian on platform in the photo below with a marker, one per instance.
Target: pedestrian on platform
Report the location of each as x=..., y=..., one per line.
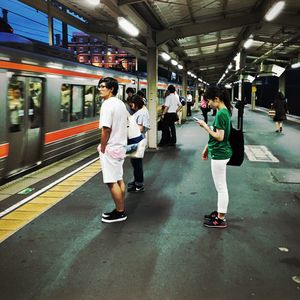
x=112, y=150
x=204, y=108
x=142, y=94
x=130, y=92
x=141, y=116
x=219, y=150
x=171, y=106
x=189, y=103
x=280, y=107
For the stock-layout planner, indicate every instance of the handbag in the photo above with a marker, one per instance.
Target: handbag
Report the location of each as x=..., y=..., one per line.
x=236, y=139
x=134, y=134
x=138, y=150
x=271, y=113
x=160, y=124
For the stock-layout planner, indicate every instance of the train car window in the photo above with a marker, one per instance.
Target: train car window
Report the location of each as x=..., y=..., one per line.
x=65, y=99
x=77, y=102
x=15, y=100
x=121, y=92
x=98, y=102
x=160, y=96
x=35, y=97
x=89, y=95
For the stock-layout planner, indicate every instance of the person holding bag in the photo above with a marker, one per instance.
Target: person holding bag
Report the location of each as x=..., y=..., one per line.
x=219, y=150
x=141, y=116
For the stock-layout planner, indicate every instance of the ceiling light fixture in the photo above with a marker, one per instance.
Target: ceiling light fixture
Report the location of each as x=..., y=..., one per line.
x=165, y=56
x=248, y=43
x=128, y=27
x=295, y=65
x=180, y=67
x=275, y=10
x=94, y=2
x=174, y=62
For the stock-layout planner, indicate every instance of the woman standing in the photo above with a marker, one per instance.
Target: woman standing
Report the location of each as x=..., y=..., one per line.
x=141, y=116
x=219, y=150
x=280, y=107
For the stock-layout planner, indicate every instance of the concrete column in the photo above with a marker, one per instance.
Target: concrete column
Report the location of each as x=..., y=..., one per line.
x=152, y=77
x=184, y=93
x=50, y=23
x=197, y=100
x=242, y=65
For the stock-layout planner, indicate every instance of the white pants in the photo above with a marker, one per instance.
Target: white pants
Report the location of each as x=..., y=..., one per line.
x=218, y=171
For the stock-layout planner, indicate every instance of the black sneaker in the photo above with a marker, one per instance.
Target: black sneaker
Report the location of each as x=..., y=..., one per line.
x=215, y=223
x=130, y=184
x=136, y=188
x=212, y=215
x=107, y=214
x=115, y=216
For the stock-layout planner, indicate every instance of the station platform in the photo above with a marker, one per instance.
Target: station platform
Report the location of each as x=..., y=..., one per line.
x=163, y=251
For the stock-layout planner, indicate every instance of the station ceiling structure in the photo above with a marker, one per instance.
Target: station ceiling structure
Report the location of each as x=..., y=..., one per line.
x=202, y=35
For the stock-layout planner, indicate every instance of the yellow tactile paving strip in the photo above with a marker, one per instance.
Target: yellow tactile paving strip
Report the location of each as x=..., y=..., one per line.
x=15, y=220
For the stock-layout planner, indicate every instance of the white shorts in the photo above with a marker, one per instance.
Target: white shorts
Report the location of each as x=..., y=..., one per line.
x=112, y=169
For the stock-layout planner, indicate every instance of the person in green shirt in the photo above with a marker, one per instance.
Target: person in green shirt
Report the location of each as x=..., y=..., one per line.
x=218, y=149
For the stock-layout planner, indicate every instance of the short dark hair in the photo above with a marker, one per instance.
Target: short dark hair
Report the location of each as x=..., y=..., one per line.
x=171, y=88
x=137, y=100
x=110, y=83
x=140, y=93
x=130, y=90
x=214, y=91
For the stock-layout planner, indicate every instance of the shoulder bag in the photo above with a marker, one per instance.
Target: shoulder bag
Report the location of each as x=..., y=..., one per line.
x=236, y=139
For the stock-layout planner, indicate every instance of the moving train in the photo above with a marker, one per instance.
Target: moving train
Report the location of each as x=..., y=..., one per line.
x=49, y=107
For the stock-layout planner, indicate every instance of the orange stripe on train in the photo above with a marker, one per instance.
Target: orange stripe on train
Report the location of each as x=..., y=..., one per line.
x=31, y=68
x=58, y=135
x=4, y=148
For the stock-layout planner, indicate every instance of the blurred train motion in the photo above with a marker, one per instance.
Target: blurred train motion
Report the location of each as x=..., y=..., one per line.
x=49, y=107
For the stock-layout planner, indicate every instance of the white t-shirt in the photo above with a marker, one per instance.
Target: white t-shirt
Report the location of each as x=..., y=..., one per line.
x=113, y=114
x=172, y=101
x=142, y=118
x=189, y=98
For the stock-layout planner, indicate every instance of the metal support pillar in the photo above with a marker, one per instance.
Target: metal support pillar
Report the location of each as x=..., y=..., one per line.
x=152, y=77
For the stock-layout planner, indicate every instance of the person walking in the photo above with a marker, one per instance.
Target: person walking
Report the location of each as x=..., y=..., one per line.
x=141, y=116
x=171, y=106
x=219, y=150
x=112, y=150
x=280, y=107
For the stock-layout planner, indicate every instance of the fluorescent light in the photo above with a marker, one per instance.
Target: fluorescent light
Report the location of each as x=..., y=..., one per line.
x=29, y=62
x=165, y=56
x=94, y=2
x=128, y=27
x=275, y=10
x=296, y=65
x=189, y=72
x=180, y=67
x=248, y=43
x=174, y=62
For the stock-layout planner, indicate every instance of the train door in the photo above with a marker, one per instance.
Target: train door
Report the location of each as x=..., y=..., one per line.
x=24, y=100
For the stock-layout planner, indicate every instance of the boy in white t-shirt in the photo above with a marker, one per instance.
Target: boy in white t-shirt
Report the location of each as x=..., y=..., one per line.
x=112, y=150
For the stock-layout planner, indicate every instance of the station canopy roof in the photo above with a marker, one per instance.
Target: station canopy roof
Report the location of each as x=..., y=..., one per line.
x=202, y=35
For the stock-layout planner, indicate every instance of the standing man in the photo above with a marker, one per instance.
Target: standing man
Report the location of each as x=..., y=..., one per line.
x=112, y=150
x=189, y=103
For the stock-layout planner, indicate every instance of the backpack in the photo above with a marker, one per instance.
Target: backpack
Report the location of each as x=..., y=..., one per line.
x=236, y=140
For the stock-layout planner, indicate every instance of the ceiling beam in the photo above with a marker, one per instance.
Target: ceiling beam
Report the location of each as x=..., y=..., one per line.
x=206, y=27
x=127, y=2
